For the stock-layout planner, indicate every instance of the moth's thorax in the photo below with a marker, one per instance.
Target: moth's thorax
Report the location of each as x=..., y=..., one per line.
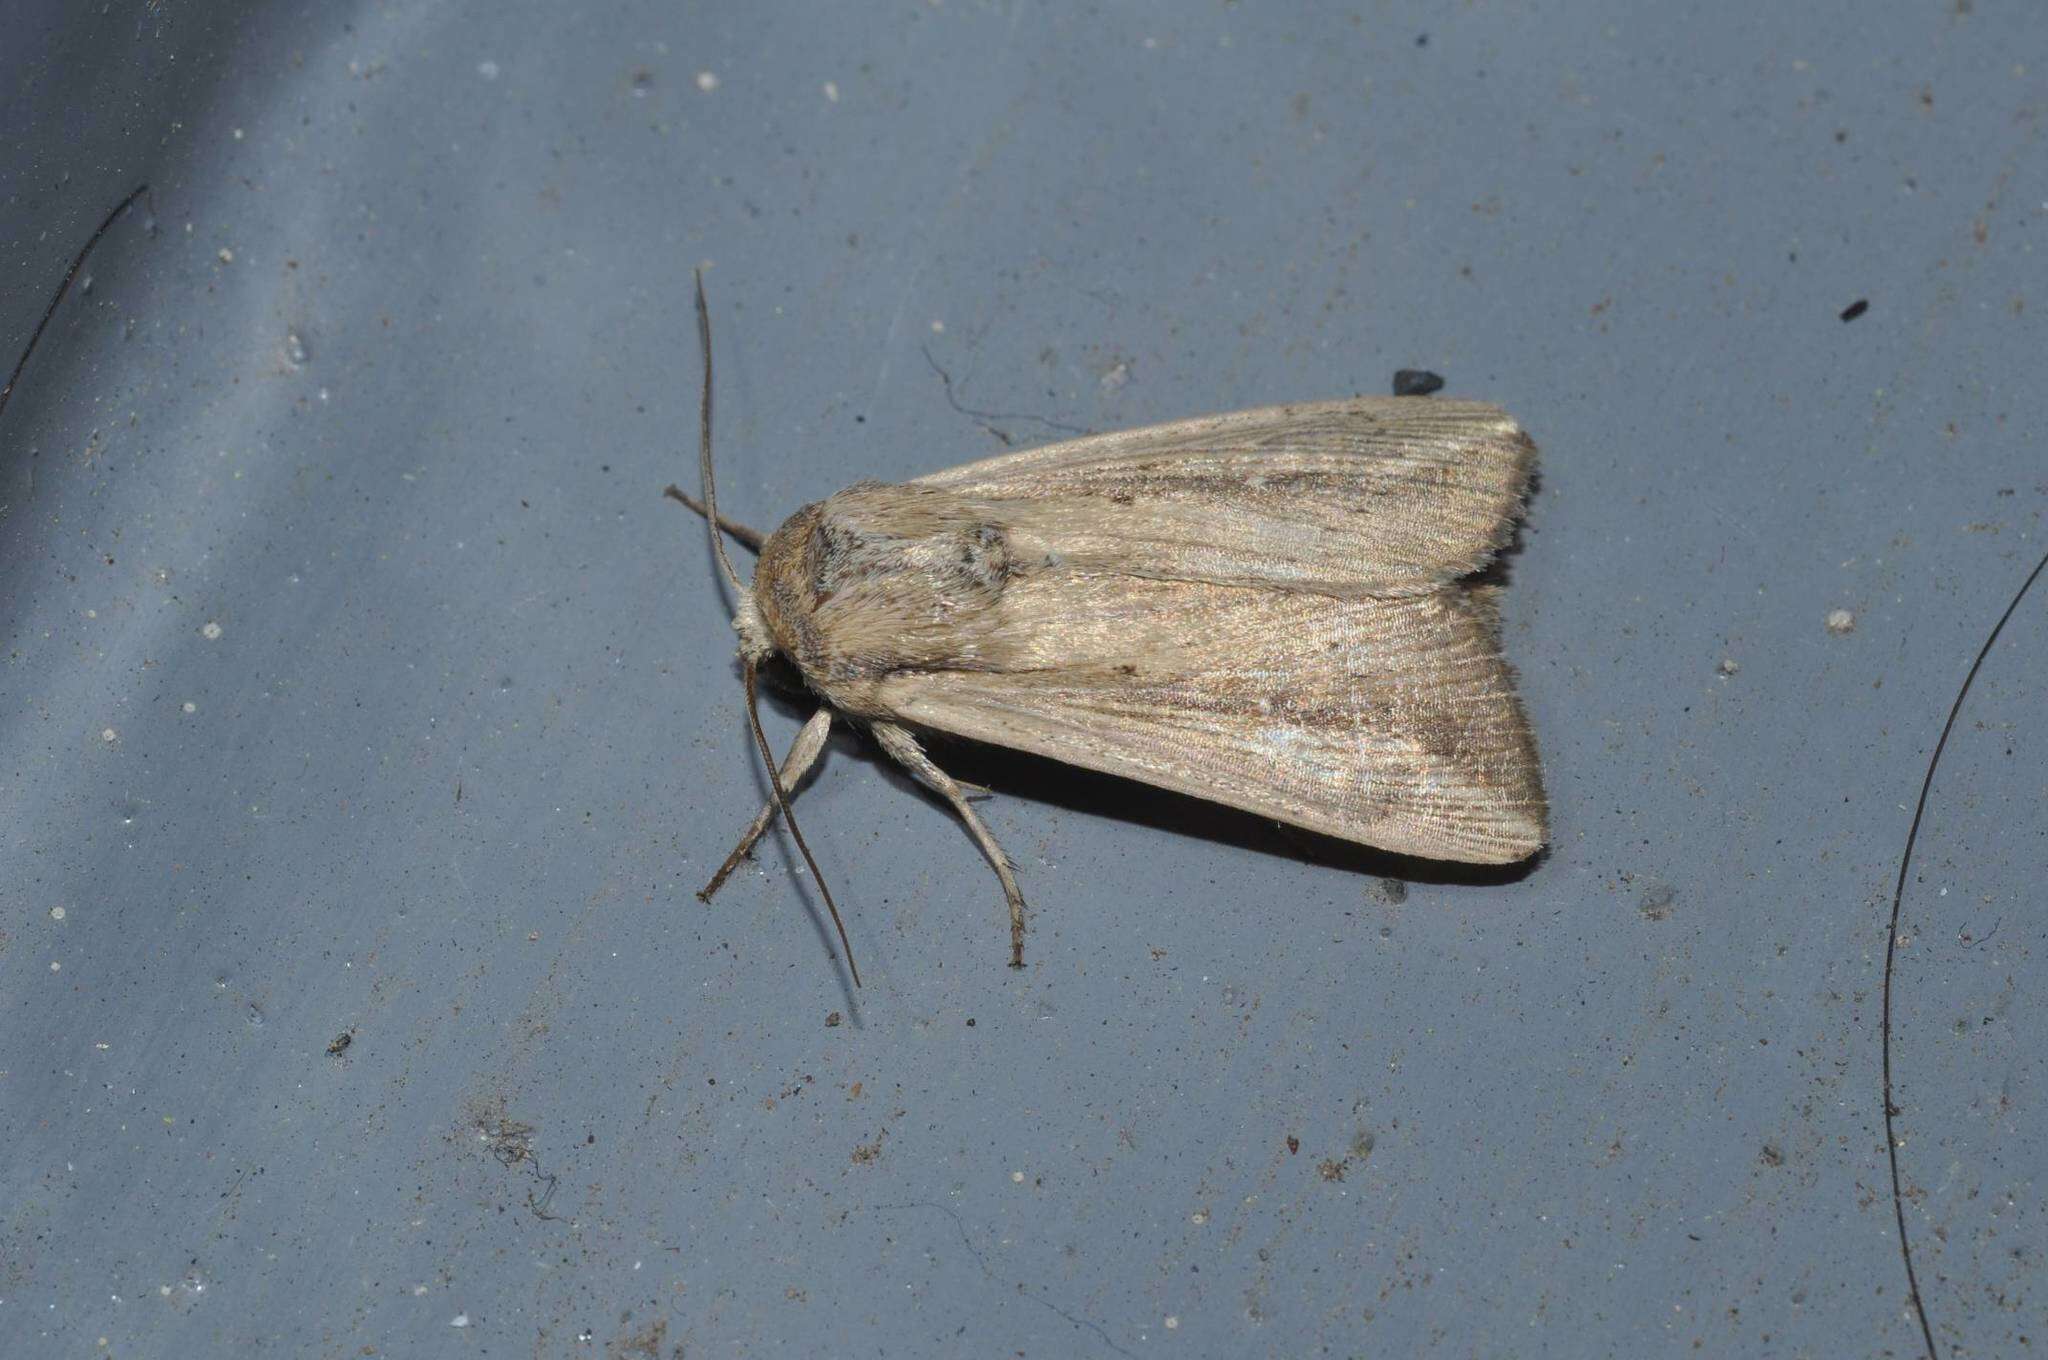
x=879, y=579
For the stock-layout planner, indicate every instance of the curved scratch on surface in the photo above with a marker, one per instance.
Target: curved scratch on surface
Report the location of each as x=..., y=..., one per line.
x=984, y=417
x=1891, y=949
x=70, y=275
x=1023, y=1291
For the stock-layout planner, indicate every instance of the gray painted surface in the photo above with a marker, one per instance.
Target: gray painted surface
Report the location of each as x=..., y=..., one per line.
x=467, y=736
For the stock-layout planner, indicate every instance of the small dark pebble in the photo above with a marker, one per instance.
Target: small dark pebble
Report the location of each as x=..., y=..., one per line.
x=1855, y=309
x=341, y=1043
x=1293, y=1145
x=833, y=1020
x=1416, y=382
x=970, y=1022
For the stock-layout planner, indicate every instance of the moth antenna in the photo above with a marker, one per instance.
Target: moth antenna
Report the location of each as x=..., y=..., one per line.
x=704, y=472
x=752, y=538
x=782, y=803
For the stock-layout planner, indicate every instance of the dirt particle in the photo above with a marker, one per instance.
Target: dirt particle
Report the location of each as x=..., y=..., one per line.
x=1657, y=901
x=647, y=1342
x=833, y=1020
x=1841, y=622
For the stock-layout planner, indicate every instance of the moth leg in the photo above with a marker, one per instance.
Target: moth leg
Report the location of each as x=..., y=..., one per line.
x=899, y=743
x=803, y=753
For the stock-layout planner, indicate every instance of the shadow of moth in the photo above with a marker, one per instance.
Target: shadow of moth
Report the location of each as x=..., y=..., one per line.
x=1266, y=609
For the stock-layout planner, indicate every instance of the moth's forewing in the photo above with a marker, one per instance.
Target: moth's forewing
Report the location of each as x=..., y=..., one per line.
x=1375, y=495
x=1390, y=722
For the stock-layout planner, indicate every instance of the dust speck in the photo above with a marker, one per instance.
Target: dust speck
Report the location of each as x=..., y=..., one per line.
x=226, y=256
x=832, y=91
x=1729, y=665
x=210, y=630
x=1841, y=622
x=707, y=81
x=487, y=69
x=56, y=913
x=1657, y=902
x=109, y=735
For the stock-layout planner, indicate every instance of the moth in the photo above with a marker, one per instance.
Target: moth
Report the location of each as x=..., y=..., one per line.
x=1268, y=609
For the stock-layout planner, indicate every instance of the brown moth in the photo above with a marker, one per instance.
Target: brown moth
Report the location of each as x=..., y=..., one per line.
x=1266, y=609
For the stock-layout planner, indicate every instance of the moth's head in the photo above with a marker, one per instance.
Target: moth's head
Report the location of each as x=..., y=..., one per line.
x=775, y=616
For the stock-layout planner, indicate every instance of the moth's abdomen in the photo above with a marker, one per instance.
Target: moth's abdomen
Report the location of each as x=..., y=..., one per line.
x=881, y=579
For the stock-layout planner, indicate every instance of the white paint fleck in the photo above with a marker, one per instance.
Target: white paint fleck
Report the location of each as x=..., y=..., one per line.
x=189, y=706
x=707, y=81
x=459, y=1320
x=56, y=913
x=1017, y=1177
x=1172, y=1323
x=210, y=630
x=832, y=91
x=487, y=69
x=1841, y=622
x=226, y=256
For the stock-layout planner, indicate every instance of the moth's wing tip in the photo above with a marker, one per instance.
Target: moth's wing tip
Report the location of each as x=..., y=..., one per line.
x=1510, y=835
x=1518, y=843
